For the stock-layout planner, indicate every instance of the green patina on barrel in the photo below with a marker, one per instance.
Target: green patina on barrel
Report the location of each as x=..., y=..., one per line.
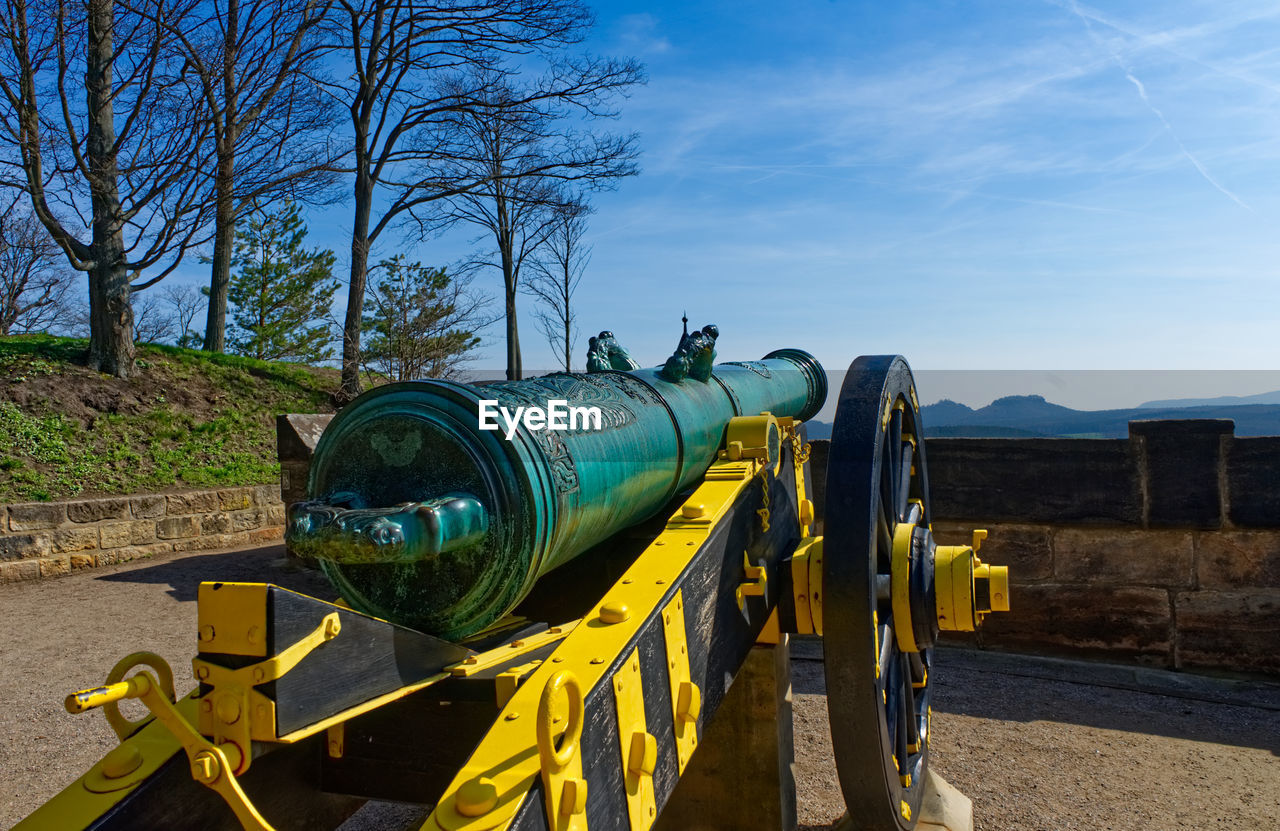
x=520, y=507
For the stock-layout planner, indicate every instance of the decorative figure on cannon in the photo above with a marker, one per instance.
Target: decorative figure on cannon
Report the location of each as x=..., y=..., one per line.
x=605, y=353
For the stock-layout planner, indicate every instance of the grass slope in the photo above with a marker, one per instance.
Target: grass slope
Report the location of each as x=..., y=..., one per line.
x=187, y=419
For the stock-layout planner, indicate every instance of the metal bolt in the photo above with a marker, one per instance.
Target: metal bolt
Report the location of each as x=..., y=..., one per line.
x=476, y=797
x=121, y=762
x=204, y=767
x=615, y=612
x=228, y=709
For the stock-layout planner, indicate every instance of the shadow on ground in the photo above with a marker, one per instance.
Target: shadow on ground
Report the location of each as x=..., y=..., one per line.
x=1105, y=696
x=255, y=565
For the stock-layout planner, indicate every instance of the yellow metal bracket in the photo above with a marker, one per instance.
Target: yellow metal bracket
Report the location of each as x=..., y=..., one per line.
x=233, y=712
x=757, y=580
x=486, y=660
x=508, y=681
x=212, y=765
x=686, y=698
x=806, y=583
x=639, y=749
x=232, y=618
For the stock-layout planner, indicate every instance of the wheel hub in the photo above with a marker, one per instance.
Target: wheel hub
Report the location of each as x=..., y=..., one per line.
x=941, y=587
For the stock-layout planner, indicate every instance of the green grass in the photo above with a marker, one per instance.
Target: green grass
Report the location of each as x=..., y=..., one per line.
x=61, y=441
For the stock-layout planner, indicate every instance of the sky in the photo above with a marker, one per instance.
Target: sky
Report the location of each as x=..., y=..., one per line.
x=975, y=185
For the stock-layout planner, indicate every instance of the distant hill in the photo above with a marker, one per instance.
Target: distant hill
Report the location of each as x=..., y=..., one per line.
x=1220, y=401
x=1031, y=415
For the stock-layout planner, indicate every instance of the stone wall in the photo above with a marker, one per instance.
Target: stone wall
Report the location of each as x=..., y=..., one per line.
x=1163, y=548
x=296, y=438
x=49, y=539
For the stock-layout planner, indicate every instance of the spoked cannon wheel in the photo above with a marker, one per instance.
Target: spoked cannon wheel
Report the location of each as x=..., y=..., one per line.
x=879, y=613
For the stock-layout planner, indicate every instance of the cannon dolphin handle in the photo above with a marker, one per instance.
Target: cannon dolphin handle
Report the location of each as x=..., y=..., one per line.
x=420, y=516
x=404, y=534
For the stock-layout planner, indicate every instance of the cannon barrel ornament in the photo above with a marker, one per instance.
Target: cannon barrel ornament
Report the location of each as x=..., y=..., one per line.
x=419, y=516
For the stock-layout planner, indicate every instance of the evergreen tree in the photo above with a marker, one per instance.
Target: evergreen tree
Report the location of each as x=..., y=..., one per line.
x=421, y=322
x=281, y=292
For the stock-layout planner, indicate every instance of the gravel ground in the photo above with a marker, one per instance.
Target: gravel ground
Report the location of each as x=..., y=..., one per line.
x=1036, y=744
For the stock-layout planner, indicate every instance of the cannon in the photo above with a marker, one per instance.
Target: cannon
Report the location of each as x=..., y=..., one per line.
x=537, y=626
x=425, y=518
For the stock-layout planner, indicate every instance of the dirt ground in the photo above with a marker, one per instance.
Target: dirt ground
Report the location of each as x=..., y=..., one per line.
x=1036, y=744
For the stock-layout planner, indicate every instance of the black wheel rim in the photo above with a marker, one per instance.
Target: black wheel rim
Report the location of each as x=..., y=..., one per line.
x=876, y=480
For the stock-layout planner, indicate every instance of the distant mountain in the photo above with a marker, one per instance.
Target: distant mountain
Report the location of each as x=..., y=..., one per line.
x=1220, y=401
x=1031, y=416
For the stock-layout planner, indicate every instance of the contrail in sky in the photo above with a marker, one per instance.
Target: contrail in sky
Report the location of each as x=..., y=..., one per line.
x=1142, y=92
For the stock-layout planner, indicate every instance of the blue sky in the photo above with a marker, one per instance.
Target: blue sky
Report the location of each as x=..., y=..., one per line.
x=976, y=185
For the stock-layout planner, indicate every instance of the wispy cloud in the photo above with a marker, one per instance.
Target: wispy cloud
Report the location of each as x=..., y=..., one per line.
x=639, y=34
x=1142, y=93
x=1038, y=165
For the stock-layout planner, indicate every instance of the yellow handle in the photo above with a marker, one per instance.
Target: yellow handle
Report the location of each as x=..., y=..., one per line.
x=117, y=688
x=79, y=702
x=554, y=758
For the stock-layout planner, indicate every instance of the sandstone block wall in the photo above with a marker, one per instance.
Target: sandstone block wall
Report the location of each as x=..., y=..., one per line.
x=296, y=438
x=49, y=539
x=1162, y=549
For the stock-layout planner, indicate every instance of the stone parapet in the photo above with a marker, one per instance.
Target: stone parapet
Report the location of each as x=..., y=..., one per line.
x=50, y=539
x=1162, y=549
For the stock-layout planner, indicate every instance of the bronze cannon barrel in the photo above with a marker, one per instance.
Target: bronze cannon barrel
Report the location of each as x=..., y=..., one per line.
x=421, y=516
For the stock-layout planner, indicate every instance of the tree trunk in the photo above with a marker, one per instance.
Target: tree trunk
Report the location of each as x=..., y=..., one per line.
x=514, y=370
x=224, y=221
x=110, y=315
x=568, y=347
x=215, y=332
x=355, y=290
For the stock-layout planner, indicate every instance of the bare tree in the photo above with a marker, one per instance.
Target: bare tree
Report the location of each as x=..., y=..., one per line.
x=403, y=62
x=34, y=283
x=557, y=270
x=108, y=147
x=152, y=318
x=525, y=145
x=253, y=62
x=184, y=303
